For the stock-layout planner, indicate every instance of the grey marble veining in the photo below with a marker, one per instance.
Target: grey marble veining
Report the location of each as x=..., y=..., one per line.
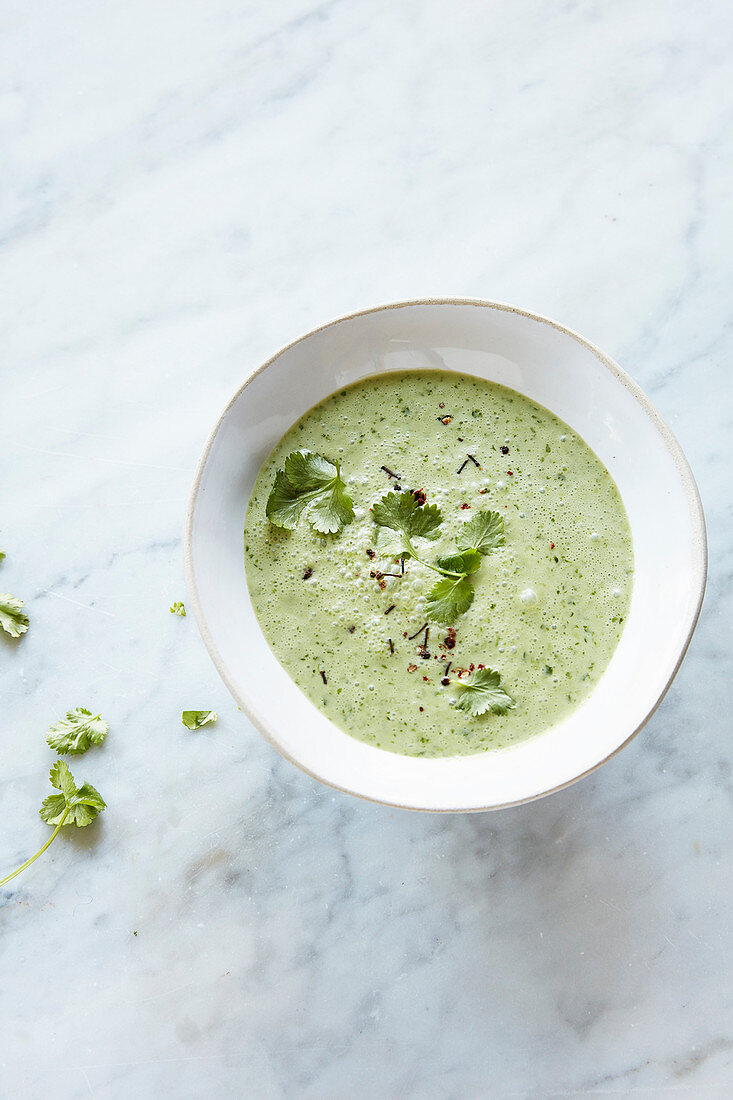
x=187, y=187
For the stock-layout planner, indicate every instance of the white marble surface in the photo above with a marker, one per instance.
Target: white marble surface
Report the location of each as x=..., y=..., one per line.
x=187, y=186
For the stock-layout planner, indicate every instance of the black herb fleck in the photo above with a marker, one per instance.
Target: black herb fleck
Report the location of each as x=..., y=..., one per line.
x=424, y=627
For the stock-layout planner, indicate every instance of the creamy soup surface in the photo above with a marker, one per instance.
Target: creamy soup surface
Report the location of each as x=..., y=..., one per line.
x=549, y=605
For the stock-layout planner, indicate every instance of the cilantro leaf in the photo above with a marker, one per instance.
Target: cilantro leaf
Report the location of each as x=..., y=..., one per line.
x=195, y=719
x=77, y=732
x=467, y=562
x=12, y=619
x=75, y=805
x=52, y=809
x=284, y=504
x=2, y=555
x=402, y=513
x=448, y=598
x=61, y=778
x=483, y=533
x=310, y=484
x=483, y=692
x=177, y=608
x=308, y=472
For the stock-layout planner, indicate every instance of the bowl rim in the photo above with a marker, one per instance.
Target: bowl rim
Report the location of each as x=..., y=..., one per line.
x=698, y=577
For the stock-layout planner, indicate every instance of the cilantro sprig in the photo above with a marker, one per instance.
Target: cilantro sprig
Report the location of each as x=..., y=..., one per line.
x=483, y=692
x=453, y=594
x=72, y=806
x=310, y=485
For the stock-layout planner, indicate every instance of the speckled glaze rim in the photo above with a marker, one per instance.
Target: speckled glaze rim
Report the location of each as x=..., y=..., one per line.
x=697, y=525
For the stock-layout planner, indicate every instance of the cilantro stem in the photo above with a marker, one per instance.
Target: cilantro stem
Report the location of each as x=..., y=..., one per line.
x=40, y=851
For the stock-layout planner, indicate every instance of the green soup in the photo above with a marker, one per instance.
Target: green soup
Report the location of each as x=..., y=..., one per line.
x=549, y=604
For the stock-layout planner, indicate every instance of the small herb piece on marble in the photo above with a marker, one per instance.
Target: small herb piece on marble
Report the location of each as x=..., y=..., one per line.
x=13, y=619
x=77, y=732
x=195, y=719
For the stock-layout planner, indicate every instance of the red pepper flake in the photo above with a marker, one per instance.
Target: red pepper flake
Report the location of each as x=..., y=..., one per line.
x=404, y=633
x=445, y=681
x=422, y=708
x=371, y=554
x=426, y=679
x=450, y=641
x=480, y=666
x=352, y=629
x=382, y=585
x=552, y=546
x=419, y=495
x=445, y=420
x=482, y=491
x=308, y=574
x=505, y=450
x=511, y=473
x=441, y=405
x=412, y=668
x=465, y=506
x=471, y=668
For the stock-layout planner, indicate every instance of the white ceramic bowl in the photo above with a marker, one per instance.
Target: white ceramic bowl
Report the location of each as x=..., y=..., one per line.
x=556, y=368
